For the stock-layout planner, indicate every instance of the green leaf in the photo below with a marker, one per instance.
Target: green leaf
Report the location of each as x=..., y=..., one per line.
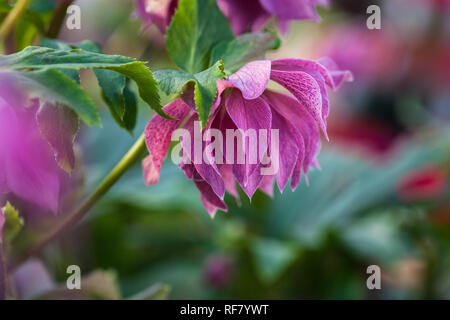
x=131, y=109
x=120, y=99
x=40, y=58
x=116, y=95
x=13, y=222
x=272, y=257
x=55, y=44
x=54, y=87
x=101, y=285
x=205, y=86
x=197, y=26
x=243, y=49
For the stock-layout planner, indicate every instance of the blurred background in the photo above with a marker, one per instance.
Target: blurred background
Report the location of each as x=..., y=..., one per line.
x=381, y=198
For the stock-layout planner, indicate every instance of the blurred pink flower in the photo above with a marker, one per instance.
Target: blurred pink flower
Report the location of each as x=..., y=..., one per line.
x=32, y=279
x=248, y=15
x=27, y=164
x=371, y=55
x=424, y=183
x=253, y=14
x=244, y=103
x=218, y=270
x=158, y=12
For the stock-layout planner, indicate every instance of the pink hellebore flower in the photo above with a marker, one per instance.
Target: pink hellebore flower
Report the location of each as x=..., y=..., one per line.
x=245, y=103
x=244, y=15
x=27, y=164
x=253, y=14
x=157, y=12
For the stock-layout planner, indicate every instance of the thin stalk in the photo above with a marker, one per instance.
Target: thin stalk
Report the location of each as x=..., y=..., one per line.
x=3, y=277
x=12, y=18
x=58, y=18
x=72, y=219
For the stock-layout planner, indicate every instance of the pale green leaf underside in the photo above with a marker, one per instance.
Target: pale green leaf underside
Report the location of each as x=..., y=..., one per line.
x=205, y=86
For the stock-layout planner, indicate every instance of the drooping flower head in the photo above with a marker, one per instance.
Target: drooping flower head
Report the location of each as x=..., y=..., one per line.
x=251, y=15
x=248, y=15
x=28, y=167
x=286, y=138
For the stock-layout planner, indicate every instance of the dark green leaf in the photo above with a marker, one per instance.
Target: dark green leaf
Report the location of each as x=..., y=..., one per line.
x=39, y=58
x=243, y=49
x=205, y=86
x=113, y=85
x=196, y=27
x=59, y=45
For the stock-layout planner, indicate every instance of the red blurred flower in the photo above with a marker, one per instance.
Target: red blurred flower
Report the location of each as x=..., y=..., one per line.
x=424, y=183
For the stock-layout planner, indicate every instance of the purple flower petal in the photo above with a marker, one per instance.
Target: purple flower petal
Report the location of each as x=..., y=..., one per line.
x=208, y=171
x=158, y=135
x=248, y=115
x=310, y=90
x=59, y=125
x=266, y=185
x=288, y=148
x=27, y=166
x=159, y=12
x=244, y=15
x=291, y=9
x=209, y=198
x=252, y=79
x=306, y=89
x=291, y=109
x=335, y=76
x=226, y=171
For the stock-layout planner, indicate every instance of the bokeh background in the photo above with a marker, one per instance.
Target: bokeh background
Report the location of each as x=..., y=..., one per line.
x=381, y=198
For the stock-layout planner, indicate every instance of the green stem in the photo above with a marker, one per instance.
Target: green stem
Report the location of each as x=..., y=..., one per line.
x=69, y=221
x=12, y=18
x=58, y=18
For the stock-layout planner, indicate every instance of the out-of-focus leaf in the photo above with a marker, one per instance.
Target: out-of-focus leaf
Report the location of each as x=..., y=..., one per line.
x=59, y=125
x=245, y=48
x=378, y=237
x=13, y=222
x=272, y=257
x=98, y=285
x=205, y=86
x=158, y=291
x=101, y=285
x=196, y=27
